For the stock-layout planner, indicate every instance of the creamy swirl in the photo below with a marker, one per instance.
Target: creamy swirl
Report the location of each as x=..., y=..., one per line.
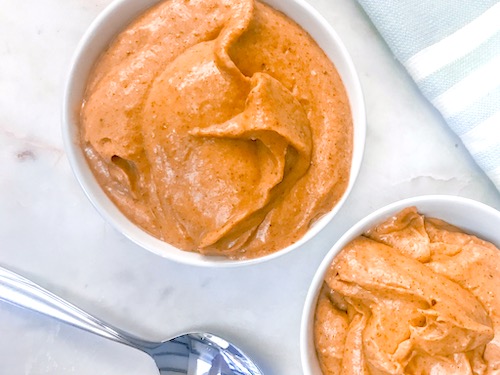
x=218, y=126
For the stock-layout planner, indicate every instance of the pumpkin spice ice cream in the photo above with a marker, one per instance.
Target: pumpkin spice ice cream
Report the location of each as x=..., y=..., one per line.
x=414, y=295
x=218, y=126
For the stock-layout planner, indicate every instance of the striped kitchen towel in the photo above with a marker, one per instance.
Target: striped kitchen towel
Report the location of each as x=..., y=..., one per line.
x=451, y=48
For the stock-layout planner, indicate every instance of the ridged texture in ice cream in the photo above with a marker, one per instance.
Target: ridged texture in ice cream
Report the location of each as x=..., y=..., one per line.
x=414, y=295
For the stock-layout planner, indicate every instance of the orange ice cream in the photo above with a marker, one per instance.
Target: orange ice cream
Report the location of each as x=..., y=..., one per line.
x=218, y=126
x=413, y=295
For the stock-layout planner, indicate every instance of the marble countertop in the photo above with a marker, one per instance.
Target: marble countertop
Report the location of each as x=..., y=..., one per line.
x=51, y=233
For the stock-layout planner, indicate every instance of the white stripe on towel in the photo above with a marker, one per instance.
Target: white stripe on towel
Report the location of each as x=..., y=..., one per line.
x=477, y=84
x=454, y=46
x=484, y=135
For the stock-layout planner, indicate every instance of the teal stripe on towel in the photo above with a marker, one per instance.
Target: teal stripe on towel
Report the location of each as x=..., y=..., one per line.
x=476, y=113
x=488, y=160
x=443, y=79
x=408, y=26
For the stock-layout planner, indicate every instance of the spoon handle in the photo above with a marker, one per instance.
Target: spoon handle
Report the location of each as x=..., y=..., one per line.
x=22, y=292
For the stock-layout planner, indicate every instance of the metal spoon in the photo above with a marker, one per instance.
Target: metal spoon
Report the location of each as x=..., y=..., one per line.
x=192, y=353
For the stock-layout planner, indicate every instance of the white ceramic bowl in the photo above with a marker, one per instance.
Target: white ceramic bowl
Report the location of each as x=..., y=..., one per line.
x=471, y=216
x=102, y=31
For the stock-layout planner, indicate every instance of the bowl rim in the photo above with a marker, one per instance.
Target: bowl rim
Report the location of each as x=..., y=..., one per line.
x=110, y=213
x=357, y=229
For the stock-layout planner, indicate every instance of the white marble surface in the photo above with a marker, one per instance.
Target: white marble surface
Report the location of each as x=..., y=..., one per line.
x=50, y=232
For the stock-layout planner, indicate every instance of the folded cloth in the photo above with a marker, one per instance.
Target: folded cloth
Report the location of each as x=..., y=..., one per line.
x=451, y=49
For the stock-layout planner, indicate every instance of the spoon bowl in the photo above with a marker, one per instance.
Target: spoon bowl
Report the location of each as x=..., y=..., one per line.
x=193, y=353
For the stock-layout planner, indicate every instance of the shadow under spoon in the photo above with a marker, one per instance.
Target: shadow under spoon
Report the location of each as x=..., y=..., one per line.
x=195, y=353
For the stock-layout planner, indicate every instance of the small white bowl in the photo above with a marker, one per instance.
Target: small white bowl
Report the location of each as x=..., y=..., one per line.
x=97, y=38
x=471, y=216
